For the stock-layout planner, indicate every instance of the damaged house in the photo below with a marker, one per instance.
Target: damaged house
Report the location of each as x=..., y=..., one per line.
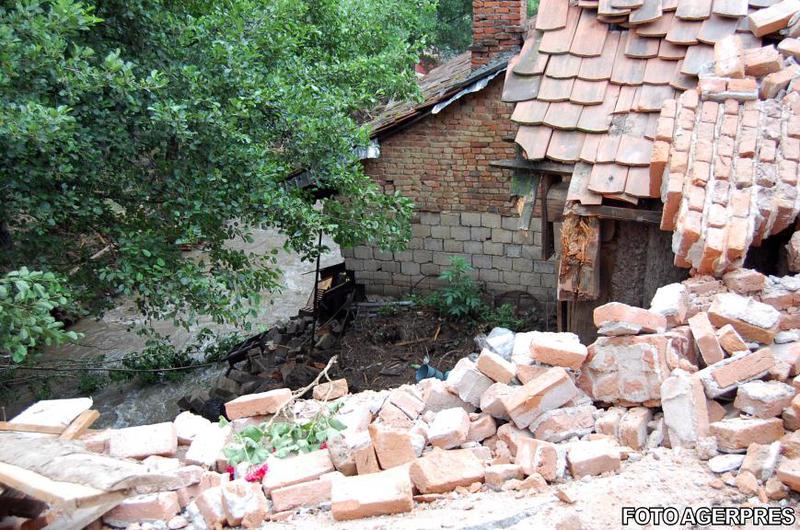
x=449, y=154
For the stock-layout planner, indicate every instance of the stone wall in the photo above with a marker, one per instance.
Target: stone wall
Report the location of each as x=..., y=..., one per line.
x=505, y=259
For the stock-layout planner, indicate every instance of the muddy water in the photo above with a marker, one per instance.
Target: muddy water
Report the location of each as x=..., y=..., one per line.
x=124, y=404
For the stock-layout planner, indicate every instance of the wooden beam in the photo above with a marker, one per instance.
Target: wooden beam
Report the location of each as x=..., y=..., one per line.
x=618, y=214
x=539, y=166
x=27, y=427
x=66, y=495
x=80, y=425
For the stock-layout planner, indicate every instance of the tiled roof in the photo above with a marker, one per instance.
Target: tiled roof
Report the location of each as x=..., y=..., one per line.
x=438, y=85
x=729, y=152
x=591, y=79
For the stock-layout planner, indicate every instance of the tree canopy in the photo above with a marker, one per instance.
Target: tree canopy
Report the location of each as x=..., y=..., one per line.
x=129, y=129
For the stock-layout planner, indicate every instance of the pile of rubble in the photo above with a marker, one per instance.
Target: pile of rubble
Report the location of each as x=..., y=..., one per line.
x=712, y=366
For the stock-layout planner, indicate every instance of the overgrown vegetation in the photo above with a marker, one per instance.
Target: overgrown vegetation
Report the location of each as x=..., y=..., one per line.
x=255, y=443
x=462, y=299
x=130, y=130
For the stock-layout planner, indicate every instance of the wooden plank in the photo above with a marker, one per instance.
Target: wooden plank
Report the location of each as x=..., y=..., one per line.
x=84, y=516
x=27, y=427
x=619, y=214
x=53, y=412
x=69, y=462
x=80, y=425
x=541, y=166
x=66, y=495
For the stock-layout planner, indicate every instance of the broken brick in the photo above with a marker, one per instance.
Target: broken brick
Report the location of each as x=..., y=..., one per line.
x=296, y=469
x=761, y=460
x=633, y=427
x=672, y=302
x=143, y=509
x=736, y=434
x=789, y=473
x=706, y=338
x=466, y=381
x=616, y=318
x=548, y=391
x=564, y=423
x=592, y=458
x=496, y=475
x=481, y=427
x=558, y=350
x=492, y=400
x=442, y=471
x=305, y=494
x=244, y=504
x=730, y=340
x=495, y=367
x=394, y=447
x=685, y=408
x=539, y=456
x=763, y=399
x=449, y=429
x=330, y=390
x=728, y=374
x=384, y=493
x=751, y=319
x=142, y=441
x=258, y=404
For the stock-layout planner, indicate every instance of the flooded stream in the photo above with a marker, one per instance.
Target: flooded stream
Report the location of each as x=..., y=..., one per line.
x=124, y=404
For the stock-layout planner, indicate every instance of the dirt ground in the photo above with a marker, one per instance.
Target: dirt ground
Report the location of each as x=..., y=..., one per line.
x=661, y=478
x=382, y=349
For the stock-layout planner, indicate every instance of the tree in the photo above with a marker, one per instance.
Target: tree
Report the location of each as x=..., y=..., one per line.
x=131, y=128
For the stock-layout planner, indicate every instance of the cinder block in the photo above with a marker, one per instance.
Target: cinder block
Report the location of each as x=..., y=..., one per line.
x=473, y=247
x=522, y=265
x=502, y=236
x=420, y=230
x=450, y=219
x=347, y=252
x=491, y=220
x=363, y=252
x=390, y=266
x=460, y=233
x=423, y=256
x=440, y=232
x=429, y=218
x=401, y=280
x=513, y=251
x=403, y=255
x=481, y=262
x=532, y=252
x=493, y=249
x=410, y=268
x=435, y=245
x=522, y=237
x=530, y=279
x=545, y=267
x=489, y=275
x=511, y=278
x=510, y=223
x=470, y=219
x=414, y=243
x=382, y=255
x=478, y=233
x=451, y=245
x=502, y=263
x=355, y=265
x=430, y=269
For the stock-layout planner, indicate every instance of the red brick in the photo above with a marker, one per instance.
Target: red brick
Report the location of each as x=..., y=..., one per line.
x=394, y=447
x=727, y=374
x=306, y=494
x=752, y=320
x=495, y=367
x=773, y=18
x=145, y=440
x=384, y=493
x=331, y=390
x=685, y=409
x=789, y=473
x=592, y=458
x=258, y=404
x=144, y=509
x=442, y=471
x=558, y=350
x=706, y=338
x=449, y=429
x=538, y=456
x=763, y=399
x=759, y=62
x=244, y=504
x=296, y=469
x=633, y=319
x=633, y=427
x=735, y=434
x=548, y=391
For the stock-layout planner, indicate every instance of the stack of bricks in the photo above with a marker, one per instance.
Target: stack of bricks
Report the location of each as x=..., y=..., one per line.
x=730, y=160
x=497, y=27
x=504, y=257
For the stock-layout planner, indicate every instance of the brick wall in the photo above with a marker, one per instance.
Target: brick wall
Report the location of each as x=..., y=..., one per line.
x=464, y=206
x=497, y=27
x=442, y=162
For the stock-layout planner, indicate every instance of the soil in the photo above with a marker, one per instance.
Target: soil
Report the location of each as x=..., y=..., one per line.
x=383, y=351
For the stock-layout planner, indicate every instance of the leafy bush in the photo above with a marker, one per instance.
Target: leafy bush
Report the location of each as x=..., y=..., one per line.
x=129, y=129
x=27, y=300
x=256, y=442
x=461, y=297
x=504, y=317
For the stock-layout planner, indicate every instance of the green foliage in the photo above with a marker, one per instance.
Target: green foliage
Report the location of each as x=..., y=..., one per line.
x=27, y=299
x=461, y=297
x=452, y=27
x=504, y=317
x=129, y=129
x=256, y=442
x=533, y=7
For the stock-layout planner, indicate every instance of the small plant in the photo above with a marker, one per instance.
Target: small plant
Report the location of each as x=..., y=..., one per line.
x=461, y=297
x=255, y=443
x=504, y=317
x=388, y=310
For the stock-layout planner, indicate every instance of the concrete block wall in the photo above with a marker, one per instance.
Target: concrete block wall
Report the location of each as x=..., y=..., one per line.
x=505, y=259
